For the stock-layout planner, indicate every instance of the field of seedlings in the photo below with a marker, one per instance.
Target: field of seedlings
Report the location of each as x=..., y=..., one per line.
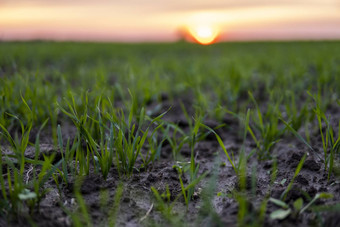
x=232, y=134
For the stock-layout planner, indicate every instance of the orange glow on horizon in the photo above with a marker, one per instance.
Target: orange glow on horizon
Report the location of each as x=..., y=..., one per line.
x=155, y=21
x=204, y=34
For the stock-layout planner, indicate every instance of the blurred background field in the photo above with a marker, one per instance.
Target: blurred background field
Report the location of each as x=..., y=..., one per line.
x=210, y=76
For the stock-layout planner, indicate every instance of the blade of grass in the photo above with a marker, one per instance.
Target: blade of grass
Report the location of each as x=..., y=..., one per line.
x=297, y=171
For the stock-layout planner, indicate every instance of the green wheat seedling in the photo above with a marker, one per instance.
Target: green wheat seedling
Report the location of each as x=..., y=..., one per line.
x=4, y=201
x=192, y=167
x=101, y=153
x=194, y=136
x=15, y=164
x=231, y=158
x=269, y=132
x=114, y=209
x=81, y=216
x=47, y=171
x=297, y=208
x=128, y=147
x=37, y=182
x=89, y=128
x=153, y=145
x=321, y=195
x=325, y=208
x=177, y=138
x=16, y=189
x=330, y=144
x=127, y=139
x=297, y=135
x=296, y=173
x=246, y=216
x=21, y=192
x=193, y=170
x=188, y=191
x=207, y=209
x=83, y=134
x=241, y=196
x=61, y=148
x=122, y=142
x=19, y=145
x=104, y=153
x=220, y=142
x=298, y=116
x=165, y=205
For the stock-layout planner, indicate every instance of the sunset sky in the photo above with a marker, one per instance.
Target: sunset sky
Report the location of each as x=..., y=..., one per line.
x=146, y=20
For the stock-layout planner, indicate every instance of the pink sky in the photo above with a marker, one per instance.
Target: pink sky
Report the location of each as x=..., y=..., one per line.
x=135, y=20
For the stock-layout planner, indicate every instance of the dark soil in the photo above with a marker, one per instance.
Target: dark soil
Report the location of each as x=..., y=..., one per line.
x=138, y=199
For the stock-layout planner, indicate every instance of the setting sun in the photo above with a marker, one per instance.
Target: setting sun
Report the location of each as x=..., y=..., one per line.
x=204, y=34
